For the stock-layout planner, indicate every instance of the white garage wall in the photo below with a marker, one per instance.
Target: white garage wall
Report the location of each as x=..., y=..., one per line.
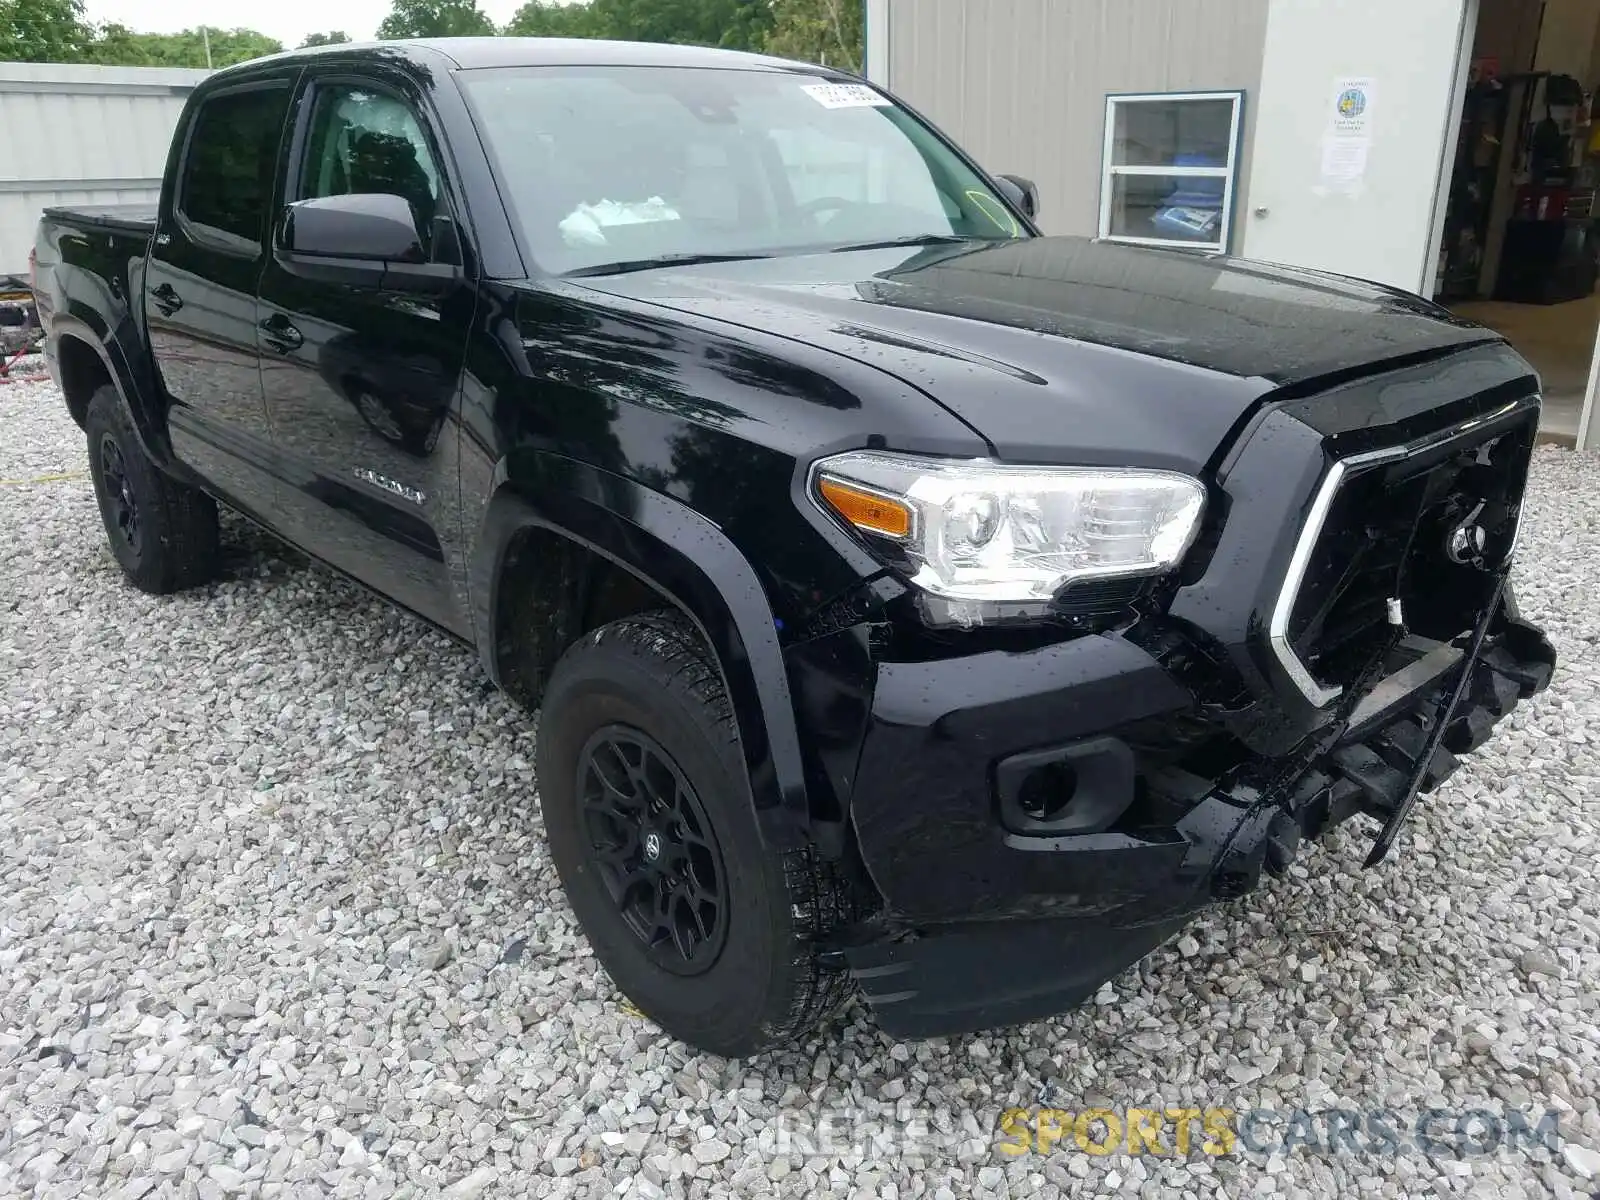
x=1022, y=84
x=73, y=134
x=1384, y=224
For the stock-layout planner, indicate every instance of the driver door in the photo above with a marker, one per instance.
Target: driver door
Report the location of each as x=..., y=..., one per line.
x=361, y=385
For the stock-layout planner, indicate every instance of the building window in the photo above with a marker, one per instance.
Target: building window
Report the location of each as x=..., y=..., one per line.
x=1169, y=170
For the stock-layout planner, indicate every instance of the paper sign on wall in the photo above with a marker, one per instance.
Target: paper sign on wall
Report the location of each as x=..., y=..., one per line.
x=845, y=95
x=1350, y=114
x=1347, y=138
x=1344, y=163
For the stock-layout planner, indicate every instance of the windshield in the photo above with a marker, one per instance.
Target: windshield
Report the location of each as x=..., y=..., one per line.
x=624, y=165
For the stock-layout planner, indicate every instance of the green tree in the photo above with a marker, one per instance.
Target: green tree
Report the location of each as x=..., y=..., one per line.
x=435, y=18
x=229, y=46
x=117, y=45
x=735, y=24
x=550, y=18
x=819, y=31
x=749, y=25
x=331, y=38
x=43, y=31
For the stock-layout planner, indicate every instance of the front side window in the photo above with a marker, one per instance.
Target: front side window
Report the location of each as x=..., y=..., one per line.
x=1169, y=169
x=607, y=165
x=233, y=153
x=364, y=141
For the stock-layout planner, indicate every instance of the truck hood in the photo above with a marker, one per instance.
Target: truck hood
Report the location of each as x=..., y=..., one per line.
x=1065, y=349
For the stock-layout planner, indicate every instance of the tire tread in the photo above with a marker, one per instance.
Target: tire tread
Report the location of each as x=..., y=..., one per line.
x=819, y=897
x=180, y=522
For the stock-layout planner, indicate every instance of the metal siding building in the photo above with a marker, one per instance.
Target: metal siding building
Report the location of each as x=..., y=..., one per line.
x=73, y=134
x=1322, y=134
x=1022, y=84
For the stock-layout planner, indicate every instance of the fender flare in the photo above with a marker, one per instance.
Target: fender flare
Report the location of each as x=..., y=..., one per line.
x=83, y=324
x=675, y=551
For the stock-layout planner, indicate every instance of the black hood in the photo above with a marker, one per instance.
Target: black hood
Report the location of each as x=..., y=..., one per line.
x=1065, y=348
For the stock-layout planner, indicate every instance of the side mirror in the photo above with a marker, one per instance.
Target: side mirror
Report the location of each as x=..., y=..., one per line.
x=366, y=225
x=365, y=238
x=1021, y=192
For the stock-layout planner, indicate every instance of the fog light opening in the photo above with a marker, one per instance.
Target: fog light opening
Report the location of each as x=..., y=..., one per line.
x=1047, y=791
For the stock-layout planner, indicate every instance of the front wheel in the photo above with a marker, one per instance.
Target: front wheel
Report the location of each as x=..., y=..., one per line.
x=711, y=933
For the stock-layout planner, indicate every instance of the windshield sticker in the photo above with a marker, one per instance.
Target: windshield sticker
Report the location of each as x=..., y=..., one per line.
x=846, y=95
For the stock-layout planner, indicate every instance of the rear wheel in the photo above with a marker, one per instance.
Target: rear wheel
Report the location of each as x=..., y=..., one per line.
x=162, y=533
x=711, y=933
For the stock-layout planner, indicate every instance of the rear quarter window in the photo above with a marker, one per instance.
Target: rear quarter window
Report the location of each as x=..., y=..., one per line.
x=232, y=154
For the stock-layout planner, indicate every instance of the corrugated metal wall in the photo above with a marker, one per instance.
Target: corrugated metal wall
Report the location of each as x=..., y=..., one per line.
x=81, y=135
x=1022, y=83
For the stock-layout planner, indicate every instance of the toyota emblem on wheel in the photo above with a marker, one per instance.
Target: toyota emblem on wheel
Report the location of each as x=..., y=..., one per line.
x=652, y=846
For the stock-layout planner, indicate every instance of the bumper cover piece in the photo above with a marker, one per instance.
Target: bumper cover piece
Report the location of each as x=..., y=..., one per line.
x=1120, y=894
x=1028, y=969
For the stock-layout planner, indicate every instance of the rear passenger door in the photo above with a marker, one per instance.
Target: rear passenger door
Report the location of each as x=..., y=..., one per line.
x=361, y=383
x=200, y=288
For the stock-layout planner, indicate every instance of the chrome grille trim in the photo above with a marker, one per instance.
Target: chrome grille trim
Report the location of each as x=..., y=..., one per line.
x=1317, y=693
x=1278, y=630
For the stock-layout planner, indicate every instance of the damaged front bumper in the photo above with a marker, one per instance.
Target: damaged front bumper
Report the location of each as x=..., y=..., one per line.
x=1038, y=809
x=1028, y=823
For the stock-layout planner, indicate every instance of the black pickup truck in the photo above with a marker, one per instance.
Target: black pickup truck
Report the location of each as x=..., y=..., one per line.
x=911, y=599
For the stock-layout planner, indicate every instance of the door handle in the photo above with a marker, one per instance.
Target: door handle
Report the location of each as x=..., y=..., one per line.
x=279, y=332
x=166, y=299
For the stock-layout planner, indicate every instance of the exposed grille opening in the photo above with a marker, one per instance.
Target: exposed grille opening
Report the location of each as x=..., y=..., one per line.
x=1426, y=530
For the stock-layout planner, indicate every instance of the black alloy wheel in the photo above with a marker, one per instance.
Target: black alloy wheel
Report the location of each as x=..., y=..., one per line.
x=122, y=508
x=655, y=849
x=162, y=533
x=714, y=933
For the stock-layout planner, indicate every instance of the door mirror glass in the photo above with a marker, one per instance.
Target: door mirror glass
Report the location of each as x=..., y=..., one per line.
x=369, y=226
x=1021, y=192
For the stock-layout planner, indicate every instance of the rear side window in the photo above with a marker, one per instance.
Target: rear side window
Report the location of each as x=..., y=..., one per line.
x=233, y=150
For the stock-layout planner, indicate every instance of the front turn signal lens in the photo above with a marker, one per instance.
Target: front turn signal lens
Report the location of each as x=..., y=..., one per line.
x=866, y=510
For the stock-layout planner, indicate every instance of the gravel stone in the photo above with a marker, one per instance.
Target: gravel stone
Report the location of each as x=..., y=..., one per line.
x=436, y=956
x=1581, y=1159
x=1535, y=962
x=473, y=1185
x=712, y=1150
x=277, y=918
x=229, y=1179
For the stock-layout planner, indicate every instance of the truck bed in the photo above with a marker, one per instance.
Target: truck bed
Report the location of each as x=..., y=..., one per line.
x=90, y=260
x=123, y=218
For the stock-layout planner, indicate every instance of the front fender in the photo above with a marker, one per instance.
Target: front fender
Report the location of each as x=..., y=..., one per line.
x=678, y=552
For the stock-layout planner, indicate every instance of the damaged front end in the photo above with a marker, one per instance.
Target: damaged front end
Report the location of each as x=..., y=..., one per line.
x=1038, y=809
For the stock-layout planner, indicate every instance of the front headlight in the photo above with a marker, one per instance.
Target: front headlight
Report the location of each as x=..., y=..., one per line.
x=973, y=530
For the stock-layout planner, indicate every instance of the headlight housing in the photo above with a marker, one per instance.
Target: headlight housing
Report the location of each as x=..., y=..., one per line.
x=980, y=531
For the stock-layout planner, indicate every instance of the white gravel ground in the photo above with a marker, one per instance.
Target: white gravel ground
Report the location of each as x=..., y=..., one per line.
x=276, y=918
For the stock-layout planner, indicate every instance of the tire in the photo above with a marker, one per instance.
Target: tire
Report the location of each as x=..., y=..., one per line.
x=753, y=981
x=162, y=533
